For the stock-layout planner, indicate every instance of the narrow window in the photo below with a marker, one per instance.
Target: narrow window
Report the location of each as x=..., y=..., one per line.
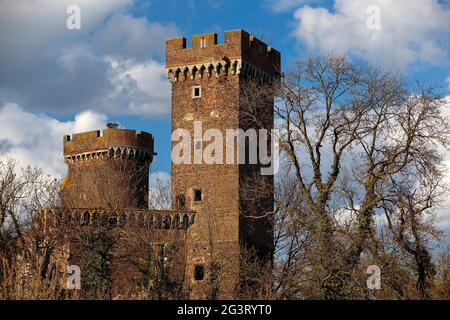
x=202, y=43
x=86, y=217
x=196, y=92
x=197, y=195
x=199, y=272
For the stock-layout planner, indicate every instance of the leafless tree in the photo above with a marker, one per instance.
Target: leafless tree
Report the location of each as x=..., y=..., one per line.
x=358, y=144
x=27, y=270
x=160, y=196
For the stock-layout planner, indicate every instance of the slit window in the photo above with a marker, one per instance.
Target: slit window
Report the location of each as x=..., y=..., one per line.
x=197, y=195
x=199, y=272
x=196, y=92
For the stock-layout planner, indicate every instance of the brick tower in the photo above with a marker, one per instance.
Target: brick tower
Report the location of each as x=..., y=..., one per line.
x=107, y=170
x=207, y=83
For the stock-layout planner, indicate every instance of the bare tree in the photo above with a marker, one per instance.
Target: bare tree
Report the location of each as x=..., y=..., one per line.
x=358, y=144
x=27, y=269
x=160, y=196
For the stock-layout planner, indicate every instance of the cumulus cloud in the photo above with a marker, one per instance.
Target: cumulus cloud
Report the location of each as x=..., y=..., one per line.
x=139, y=89
x=130, y=37
x=87, y=121
x=410, y=32
x=37, y=140
x=46, y=67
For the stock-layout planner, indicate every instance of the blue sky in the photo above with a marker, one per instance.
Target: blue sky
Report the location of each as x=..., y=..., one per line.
x=272, y=21
x=55, y=81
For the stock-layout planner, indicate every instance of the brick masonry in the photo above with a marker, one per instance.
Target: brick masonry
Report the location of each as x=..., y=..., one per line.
x=221, y=227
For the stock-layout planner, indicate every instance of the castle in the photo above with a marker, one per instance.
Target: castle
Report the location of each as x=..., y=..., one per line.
x=201, y=239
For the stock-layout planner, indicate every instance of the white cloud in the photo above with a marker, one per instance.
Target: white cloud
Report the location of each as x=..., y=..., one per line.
x=139, y=88
x=28, y=27
x=46, y=67
x=410, y=31
x=37, y=140
x=130, y=37
x=87, y=121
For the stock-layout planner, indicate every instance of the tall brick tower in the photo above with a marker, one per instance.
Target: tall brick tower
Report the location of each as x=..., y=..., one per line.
x=107, y=170
x=207, y=84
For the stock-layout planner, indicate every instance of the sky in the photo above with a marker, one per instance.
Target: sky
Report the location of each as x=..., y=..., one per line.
x=56, y=81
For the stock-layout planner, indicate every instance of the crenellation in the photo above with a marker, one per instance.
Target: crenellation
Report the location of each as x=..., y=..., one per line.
x=176, y=43
x=238, y=45
x=95, y=141
x=204, y=40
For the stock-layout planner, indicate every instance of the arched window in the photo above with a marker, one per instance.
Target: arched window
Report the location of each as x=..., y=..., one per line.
x=94, y=218
x=86, y=217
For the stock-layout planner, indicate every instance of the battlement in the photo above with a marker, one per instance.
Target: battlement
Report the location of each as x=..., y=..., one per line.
x=109, y=143
x=239, y=52
x=129, y=218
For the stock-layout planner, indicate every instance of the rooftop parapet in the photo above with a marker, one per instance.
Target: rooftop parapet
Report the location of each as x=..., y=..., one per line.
x=238, y=45
x=99, y=142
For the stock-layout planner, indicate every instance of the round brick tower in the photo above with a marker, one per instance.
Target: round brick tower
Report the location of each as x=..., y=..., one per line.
x=107, y=170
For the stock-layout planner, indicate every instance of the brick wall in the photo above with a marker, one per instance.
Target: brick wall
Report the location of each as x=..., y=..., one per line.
x=220, y=229
x=108, y=169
